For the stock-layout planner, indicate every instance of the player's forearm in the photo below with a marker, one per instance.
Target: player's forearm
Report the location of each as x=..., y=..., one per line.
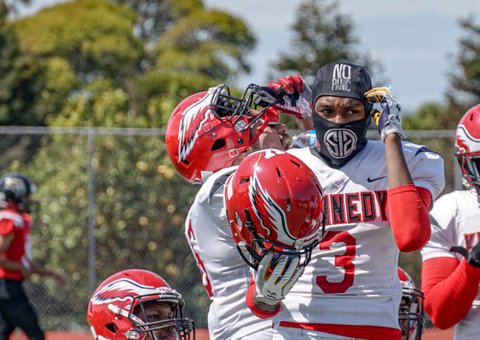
x=409, y=220
x=40, y=270
x=11, y=265
x=398, y=173
x=448, y=298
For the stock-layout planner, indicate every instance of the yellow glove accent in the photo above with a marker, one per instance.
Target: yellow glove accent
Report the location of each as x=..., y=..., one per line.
x=376, y=94
x=375, y=115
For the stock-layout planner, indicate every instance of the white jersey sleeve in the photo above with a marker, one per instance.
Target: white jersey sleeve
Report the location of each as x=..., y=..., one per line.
x=455, y=220
x=225, y=275
x=446, y=230
x=426, y=168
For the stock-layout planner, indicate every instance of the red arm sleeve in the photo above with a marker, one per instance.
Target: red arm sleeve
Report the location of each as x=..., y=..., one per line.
x=408, y=211
x=251, y=304
x=450, y=288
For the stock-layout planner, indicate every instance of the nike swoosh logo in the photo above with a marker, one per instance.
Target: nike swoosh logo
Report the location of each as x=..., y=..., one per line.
x=370, y=180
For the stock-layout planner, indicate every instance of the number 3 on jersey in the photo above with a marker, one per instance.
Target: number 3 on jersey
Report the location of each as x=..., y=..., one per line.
x=344, y=261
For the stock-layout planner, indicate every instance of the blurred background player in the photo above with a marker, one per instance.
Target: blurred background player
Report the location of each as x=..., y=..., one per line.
x=16, y=264
x=226, y=129
x=451, y=259
x=274, y=206
x=411, y=315
x=377, y=197
x=138, y=304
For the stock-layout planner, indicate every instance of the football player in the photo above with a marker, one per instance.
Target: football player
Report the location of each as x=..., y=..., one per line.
x=16, y=263
x=226, y=130
x=451, y=259
x=138, y=304
x=377, y=197
x=274, y=206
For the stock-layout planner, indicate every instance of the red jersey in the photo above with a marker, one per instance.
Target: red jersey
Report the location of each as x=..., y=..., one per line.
x=18, y=224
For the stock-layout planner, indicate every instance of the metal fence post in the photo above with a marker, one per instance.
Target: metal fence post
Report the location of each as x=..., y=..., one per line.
x=92, y=274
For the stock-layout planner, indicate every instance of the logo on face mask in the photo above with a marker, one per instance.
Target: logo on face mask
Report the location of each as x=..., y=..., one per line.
x=340, y=142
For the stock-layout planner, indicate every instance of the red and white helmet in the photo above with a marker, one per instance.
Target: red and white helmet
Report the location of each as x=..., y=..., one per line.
x=467, y=147
x=209, y=130
x=411, y=315
x=274, y=201
x=117, y=308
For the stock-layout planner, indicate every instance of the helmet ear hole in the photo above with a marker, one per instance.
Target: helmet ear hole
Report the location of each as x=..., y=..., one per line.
x=218, y=144
x=10, y=195
x=111, y=327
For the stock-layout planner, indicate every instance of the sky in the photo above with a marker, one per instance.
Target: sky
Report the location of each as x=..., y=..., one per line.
x=415, y=41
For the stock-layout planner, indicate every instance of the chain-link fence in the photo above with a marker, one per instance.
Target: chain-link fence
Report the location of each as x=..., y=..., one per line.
x=109, y=200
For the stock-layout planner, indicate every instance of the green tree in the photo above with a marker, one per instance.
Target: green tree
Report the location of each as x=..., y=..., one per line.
x=21, y=81
x=464, y=87
x=21, y=84
x=464, y=78
x=203, y=49
x=96, y=41
x=463, y=92
x=94, y=37
x=321, y=34
x=155, y=17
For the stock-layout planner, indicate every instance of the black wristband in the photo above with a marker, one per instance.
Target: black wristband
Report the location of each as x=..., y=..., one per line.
x=474, y=256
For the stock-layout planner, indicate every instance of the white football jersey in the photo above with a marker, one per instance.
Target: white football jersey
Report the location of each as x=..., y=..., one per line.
x=225, y=275
x=456, y=222
x=352, y=278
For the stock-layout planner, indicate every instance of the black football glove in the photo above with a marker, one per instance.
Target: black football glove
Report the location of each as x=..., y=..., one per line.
x=473, y=257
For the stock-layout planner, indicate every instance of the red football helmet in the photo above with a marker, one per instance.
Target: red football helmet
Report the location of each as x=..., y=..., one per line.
x=411, y=315
x=274, y=201
x=209, y=130
x=467, y=147
x=125, y=306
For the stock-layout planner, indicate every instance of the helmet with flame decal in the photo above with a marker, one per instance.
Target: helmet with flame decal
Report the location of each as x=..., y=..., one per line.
x=467, y=147
x=210, y=130
x=411, y=315
x=274, y=202
x=137, y=304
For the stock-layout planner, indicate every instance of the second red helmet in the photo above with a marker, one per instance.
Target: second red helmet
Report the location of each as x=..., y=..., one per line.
x=274, y=201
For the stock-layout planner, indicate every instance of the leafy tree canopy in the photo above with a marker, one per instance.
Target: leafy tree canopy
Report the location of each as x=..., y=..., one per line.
x=95, y=37
x=155, y=17
x=212, y=43
x=322, y=34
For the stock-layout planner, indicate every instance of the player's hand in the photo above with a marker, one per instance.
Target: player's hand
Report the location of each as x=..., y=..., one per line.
x=473, y=257
x=288, y=95
x=275, y=276
x=386, y=112
x=26, y=272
